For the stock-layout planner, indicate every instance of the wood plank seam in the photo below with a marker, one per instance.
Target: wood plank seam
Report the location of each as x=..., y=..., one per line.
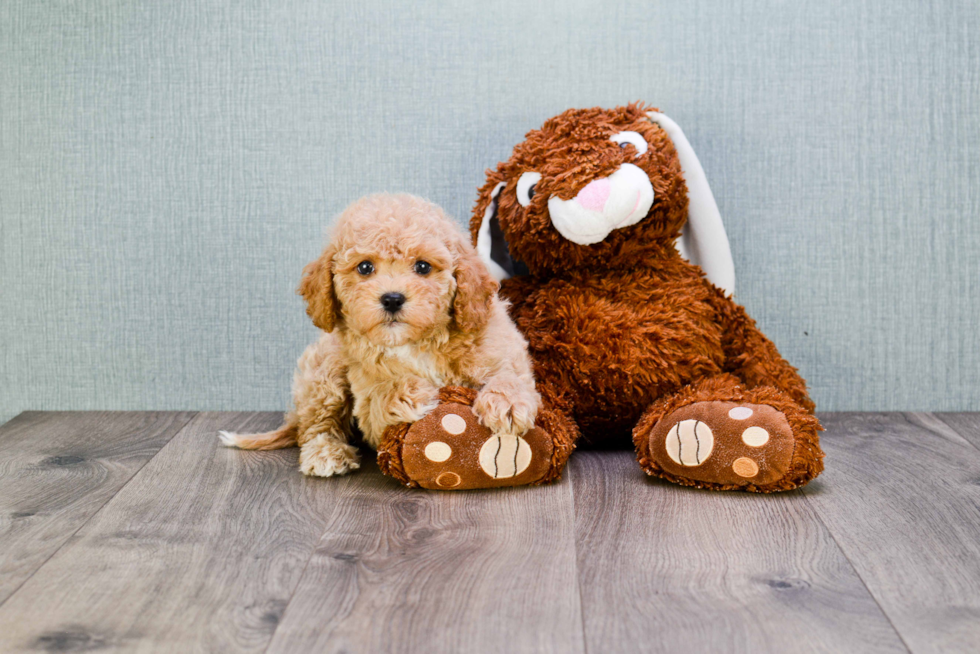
x=903, y=505
x=938, y=416
x=665, y=567
x=816, y=512
x=407, y=570
x=292, y=593
x=197, y=552
x=578, y=578
x=176, y=431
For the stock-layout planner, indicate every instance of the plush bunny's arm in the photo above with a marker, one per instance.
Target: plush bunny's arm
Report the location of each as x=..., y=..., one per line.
x=752, y=357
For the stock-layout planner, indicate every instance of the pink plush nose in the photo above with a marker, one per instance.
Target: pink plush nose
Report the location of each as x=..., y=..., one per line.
x=594, y=195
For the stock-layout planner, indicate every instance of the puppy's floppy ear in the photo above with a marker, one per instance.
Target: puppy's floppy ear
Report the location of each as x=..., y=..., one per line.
x=316, y=287
x=475, y=289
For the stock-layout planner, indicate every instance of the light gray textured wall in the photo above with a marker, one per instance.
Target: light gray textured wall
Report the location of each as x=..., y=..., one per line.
x=166, y=169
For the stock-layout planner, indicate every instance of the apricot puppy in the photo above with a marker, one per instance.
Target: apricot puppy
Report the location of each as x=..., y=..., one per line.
x=406, y=308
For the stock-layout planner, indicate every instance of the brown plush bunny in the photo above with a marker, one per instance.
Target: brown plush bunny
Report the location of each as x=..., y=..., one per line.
x=583, y=226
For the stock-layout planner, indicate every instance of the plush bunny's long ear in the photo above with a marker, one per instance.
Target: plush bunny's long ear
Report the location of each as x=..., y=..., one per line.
x=492, y=246
x=703, y=241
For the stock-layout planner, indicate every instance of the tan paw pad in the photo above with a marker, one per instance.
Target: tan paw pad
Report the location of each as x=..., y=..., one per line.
x=505, y=455
x=690, y=442
x=438, y=451
x=745, y=467
x=740, y=413
x=453, y=424
x=448, y=480
x=755, y=437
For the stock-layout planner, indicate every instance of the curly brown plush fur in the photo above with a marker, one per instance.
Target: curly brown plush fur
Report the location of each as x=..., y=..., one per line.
x=625, y=330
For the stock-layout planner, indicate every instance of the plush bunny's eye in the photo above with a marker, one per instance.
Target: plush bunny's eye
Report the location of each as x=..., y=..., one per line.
x=630, y=138
x=525, y=187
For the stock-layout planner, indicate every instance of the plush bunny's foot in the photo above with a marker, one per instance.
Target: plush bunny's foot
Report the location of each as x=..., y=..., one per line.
x=756, y=440
x=724, y=443
x=449, y=449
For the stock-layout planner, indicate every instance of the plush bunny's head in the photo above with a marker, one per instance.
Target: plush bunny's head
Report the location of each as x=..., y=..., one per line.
x=597, y=189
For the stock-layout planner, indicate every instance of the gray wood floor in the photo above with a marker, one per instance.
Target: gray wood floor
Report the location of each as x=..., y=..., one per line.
x=135, y=531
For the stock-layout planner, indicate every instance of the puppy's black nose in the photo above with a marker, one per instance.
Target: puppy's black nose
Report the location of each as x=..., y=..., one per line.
x=392, y=302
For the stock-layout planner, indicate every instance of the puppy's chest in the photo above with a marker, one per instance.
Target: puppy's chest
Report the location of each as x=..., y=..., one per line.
x=399, y=364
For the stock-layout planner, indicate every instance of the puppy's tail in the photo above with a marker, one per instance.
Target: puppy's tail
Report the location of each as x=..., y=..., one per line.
x=284, y=436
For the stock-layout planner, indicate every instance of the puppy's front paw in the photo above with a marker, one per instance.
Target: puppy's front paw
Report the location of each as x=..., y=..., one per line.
x=502, y=413
x=326, y=456
x=412, y=402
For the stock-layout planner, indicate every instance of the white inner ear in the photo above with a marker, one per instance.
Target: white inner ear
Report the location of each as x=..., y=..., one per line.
x=483, y=242
x=703, y=240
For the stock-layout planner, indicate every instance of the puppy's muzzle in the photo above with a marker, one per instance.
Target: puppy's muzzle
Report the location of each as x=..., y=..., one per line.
x=392, y=302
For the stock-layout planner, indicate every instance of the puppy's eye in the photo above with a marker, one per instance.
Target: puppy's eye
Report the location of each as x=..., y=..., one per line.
x=631, y=138
x=423, y=267
x=365, y=268
x=525, y=187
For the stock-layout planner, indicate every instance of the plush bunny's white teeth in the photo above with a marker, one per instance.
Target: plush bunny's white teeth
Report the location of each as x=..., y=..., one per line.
x=620, y=200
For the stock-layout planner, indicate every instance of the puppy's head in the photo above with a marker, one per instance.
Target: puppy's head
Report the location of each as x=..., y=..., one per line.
x=397, y=270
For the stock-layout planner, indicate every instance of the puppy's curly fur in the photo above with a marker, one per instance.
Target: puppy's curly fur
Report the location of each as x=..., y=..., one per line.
x=379, y=368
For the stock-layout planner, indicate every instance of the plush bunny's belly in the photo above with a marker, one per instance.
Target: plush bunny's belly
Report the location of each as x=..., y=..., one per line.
x=615, y=344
